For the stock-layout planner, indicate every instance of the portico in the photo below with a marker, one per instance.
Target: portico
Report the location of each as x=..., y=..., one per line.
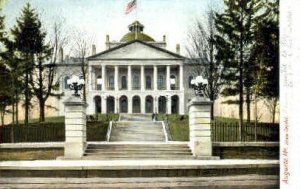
x=129, y=81
x=136, y=75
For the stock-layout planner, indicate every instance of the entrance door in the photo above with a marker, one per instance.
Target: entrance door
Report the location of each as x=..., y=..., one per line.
x=149, y=104
x=175, y=104
x=123, y=104
x=110, y=104
x=136, y=104
x=162, y=105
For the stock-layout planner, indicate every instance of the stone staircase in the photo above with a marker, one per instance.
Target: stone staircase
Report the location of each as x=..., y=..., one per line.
x=136, y=136
x=137, y=151
x=137, y=131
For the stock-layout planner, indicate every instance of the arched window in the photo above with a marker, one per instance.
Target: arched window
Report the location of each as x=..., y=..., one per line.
x=148, y=82
x=136, y=82
x=124, y=82
x=66, y=82
x=111, y=82
x=190, y=79
x=161, y=82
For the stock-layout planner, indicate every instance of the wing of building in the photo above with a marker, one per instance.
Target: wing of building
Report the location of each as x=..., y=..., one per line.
x=135, y=75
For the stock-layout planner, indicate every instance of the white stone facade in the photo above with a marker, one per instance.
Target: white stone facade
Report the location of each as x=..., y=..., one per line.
x=133, y=77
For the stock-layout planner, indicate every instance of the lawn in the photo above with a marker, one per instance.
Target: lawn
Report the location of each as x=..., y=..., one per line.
x=30, y=154
x=223, y=129
x=53, y=130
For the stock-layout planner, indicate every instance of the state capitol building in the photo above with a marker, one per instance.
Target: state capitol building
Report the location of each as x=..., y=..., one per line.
x=134, y=75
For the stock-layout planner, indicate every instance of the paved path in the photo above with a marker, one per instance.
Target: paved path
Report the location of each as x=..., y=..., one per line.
x=224, y=182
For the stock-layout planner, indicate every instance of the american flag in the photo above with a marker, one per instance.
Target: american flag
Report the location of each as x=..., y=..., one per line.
x=130, y=6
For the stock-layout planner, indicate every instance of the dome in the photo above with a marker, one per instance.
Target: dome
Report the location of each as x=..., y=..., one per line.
x=136, y=32
x=140, y=36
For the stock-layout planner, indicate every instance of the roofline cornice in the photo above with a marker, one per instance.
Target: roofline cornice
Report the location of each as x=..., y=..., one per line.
x=134, y=41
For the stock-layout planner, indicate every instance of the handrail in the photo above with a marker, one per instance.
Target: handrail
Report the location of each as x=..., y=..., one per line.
x=165, y=131
x=109, y=131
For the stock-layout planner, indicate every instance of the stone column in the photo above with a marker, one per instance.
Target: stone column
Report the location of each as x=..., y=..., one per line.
x=129, y=108
x=155, y=78
x=75, y=128
x=103, y=78
x=142, y=78
x=169, y=104
x=129, y=81
x=156, y=104
x=200, y=129
x=116, y=104
x=168, y=78
x=181, y=104
x=181, y=86
x=116, y=78
x=143, y=104
x=103, y=104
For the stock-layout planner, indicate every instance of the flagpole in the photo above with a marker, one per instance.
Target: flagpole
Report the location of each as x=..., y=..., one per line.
x=136, y=11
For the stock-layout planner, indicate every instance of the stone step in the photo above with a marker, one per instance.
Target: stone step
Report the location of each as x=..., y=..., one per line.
x=164, y=146
x=137, y=168
x=135, y=157
x=131, y=139
x=125, y=152
x=138, y=149
x=213, y=182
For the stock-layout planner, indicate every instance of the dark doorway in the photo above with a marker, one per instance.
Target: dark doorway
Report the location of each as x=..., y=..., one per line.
x=110, y=104
x=162, y=104
x=123, y=104
x=136, y=104
x=149, y=104
x=97, y=100
x=174, y=104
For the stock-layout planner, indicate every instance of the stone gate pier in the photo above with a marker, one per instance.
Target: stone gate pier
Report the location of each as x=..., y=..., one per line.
x=75, y=128
x=200, y=129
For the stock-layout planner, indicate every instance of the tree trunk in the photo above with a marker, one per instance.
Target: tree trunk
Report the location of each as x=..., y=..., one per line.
x=274, y=110
x=212, y=116
x=256, y=116
x=26, y=98
x=13, y=113
x=248, y=101
x=241, y=88
x=17, y=112
x=42, y=111
x=2, y=117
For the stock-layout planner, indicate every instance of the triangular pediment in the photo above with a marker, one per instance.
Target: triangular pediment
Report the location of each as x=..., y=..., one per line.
x=135, y=50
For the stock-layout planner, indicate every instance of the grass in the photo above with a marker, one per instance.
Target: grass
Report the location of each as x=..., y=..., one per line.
x=30, y=154
x=223, y=129
x=53, y=130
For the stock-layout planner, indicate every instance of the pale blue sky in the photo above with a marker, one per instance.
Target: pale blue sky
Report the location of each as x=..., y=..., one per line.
x=97, y=18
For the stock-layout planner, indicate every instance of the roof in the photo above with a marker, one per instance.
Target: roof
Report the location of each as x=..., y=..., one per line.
x=130, y=36
x=137, y=41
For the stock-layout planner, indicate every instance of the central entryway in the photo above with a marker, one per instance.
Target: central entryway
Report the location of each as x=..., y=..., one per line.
x=136, y=104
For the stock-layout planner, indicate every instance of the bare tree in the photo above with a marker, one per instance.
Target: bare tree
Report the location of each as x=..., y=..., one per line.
x=201, y=51
x=82, y=48
x=272, y=105
x=43, y=80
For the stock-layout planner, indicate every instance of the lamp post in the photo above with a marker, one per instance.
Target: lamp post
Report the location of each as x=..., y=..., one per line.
x=199, y=84
x=76, y=84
